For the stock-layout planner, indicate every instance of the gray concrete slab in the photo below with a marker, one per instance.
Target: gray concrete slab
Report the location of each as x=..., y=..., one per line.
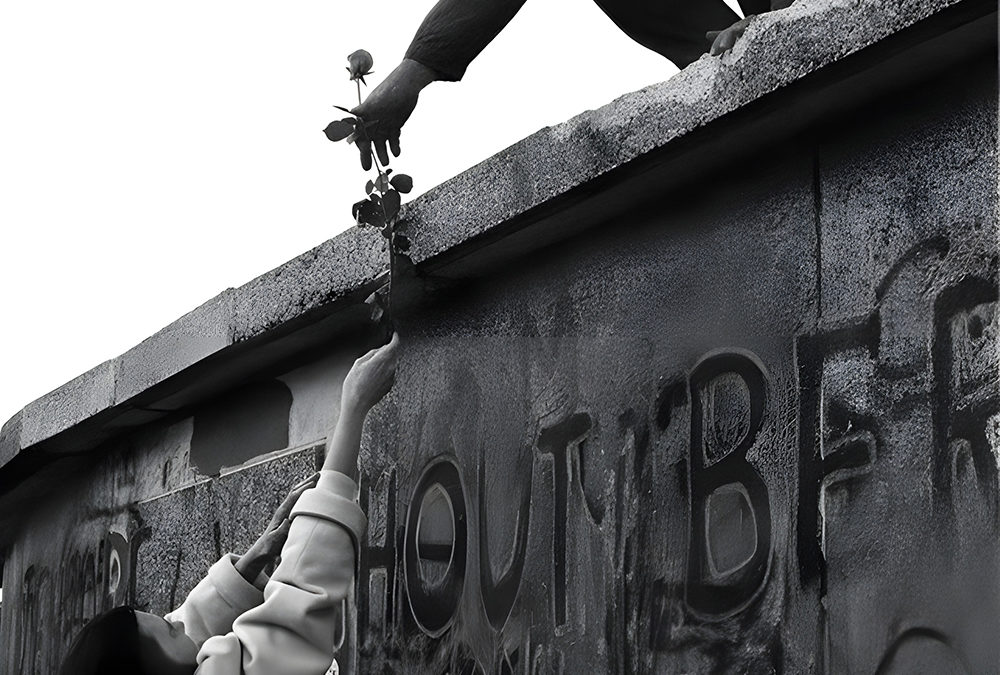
x=70, y=404
x=10, y=438
x=778, y=49
x=196, y=335
x=317, y=277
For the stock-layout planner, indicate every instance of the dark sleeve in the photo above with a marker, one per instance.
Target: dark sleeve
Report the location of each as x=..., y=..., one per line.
x=674, y=28
x=760, y=6
x=455, y=31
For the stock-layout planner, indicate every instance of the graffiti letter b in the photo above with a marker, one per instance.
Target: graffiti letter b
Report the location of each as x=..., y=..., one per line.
x=730, y=536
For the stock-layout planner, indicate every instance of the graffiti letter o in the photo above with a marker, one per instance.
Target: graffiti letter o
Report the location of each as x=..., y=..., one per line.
x=434, y=546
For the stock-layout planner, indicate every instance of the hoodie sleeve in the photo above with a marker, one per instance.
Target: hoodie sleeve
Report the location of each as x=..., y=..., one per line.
x=216, y=601
x=292, y=631
x=455, y=31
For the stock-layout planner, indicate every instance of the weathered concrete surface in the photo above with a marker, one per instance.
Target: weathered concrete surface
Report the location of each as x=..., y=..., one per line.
x=139, y=523
x=10, y=438
x=146, y=535
x=909, y=245
x=748, y=424
x=193, y=337
x=316, y=278
x=321, y=277
x=778, y=49
x=908, y=184
x=568, y=381
x=74, y=402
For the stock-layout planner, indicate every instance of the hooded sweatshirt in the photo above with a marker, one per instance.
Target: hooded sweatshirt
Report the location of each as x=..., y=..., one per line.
x=289, y=627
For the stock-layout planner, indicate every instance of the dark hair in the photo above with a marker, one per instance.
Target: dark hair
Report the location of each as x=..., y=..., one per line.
x=108, y=644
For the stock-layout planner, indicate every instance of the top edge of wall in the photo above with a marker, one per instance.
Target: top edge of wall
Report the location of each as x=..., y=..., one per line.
x=778, y=49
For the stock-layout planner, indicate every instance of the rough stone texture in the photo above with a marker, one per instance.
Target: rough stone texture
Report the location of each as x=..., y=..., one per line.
x=191, y=338
x=70, y=404
x=10, y=439
x=324, y=274
x=143, y=495
x=923, y=178
x=193, y=528
x=909, y=228
x=595, y=344
x=750, y=428
x=778, y=48
x=143, y=505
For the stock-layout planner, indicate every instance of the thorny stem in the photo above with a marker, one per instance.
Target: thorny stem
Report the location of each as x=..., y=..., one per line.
x=388, y=300
x=391, y=226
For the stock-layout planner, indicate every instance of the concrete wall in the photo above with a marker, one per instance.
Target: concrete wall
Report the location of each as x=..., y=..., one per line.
x=143, y=524
x=751, y=432
x=749, y=425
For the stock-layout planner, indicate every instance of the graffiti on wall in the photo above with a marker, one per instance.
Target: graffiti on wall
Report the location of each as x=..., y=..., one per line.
x=706, y=527
x=434, y=588
x=56, y=601
x=417, y=572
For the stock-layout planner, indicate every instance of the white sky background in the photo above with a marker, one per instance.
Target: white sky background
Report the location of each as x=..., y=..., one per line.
x=154, y=154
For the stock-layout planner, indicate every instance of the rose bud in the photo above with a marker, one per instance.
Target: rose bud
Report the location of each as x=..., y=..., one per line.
x=360, y=64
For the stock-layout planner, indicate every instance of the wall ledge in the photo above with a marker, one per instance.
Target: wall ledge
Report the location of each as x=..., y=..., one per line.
x=158, y=375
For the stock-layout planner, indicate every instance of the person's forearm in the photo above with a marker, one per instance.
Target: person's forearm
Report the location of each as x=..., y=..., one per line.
x=455, y=31
x=344, y=443
x=418, y=73
x=366, y=383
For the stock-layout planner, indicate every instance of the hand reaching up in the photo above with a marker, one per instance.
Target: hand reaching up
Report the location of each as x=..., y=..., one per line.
x=268, y=546
x=370, y=378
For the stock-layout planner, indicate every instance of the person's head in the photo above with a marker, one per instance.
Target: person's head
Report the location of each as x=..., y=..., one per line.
x=123, y=641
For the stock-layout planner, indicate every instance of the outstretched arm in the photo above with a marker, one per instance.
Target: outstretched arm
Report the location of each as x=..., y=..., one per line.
x=456, y=31
x=265, y=550
x=369, y=379
x=235, y=584
x=292, y=631
x=450, y=37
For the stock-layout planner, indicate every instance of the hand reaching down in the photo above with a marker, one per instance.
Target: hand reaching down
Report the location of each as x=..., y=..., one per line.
x=387, y=109
x=724, y=40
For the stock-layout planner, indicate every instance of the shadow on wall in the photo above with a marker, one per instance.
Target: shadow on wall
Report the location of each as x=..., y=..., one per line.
x=249, y=421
